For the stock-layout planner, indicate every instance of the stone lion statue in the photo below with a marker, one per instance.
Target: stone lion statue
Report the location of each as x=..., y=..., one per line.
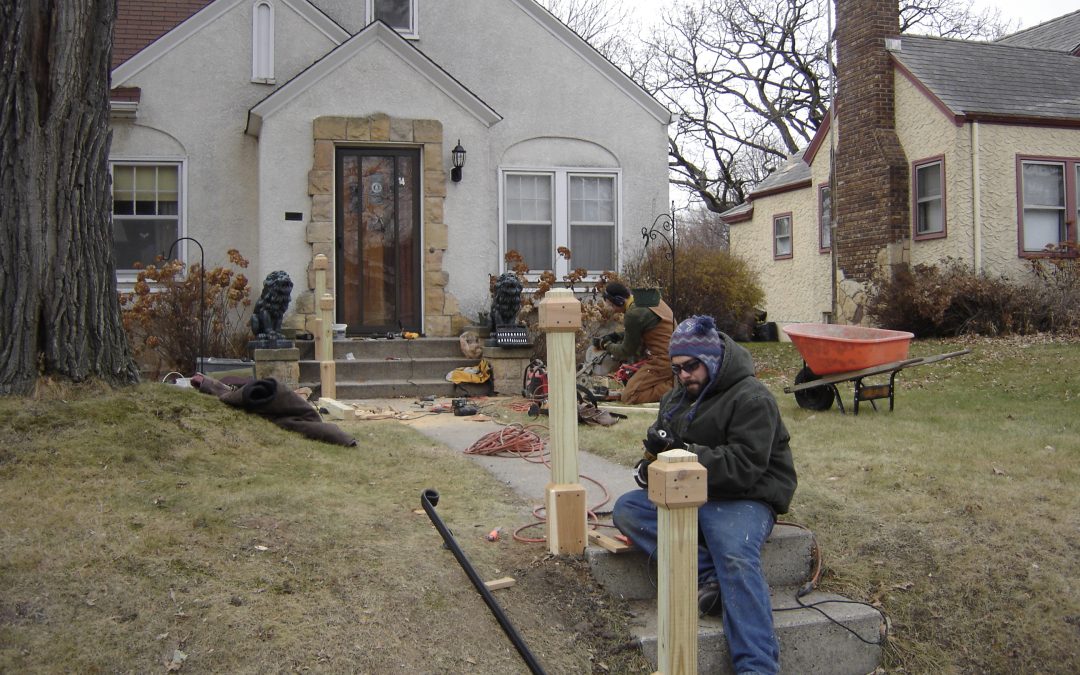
x=271, y=305
x=506, y=302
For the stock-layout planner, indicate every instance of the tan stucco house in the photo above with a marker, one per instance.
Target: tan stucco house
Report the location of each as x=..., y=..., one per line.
x=940, y=148
x=291, y=128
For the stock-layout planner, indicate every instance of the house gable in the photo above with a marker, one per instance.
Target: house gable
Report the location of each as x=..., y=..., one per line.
x=188, y=27
x=595, y=59
x=377, y=33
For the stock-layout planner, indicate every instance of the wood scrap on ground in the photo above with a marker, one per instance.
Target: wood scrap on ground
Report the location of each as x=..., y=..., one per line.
x=609, y=543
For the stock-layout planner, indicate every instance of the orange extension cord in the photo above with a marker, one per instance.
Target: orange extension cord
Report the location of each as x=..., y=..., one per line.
x=516, y=440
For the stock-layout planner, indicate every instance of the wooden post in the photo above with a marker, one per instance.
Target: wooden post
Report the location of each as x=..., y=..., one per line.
x=320, y=265
x=327, y=370
x=560, y=318
x=677, y=485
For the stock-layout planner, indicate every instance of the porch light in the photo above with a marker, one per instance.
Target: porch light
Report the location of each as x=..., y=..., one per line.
x=458, y=159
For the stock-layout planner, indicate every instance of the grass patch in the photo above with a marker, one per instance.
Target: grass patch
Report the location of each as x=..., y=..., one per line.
x=150, y=520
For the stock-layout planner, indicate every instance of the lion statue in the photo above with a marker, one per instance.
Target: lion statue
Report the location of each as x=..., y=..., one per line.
x=271, y=305
x=506, y=302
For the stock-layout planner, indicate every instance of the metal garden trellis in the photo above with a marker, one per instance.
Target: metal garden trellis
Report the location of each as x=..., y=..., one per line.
x=202, y=295
x=663, y=228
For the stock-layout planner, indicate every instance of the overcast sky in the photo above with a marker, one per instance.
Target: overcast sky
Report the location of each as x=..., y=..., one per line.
x=1029, y=12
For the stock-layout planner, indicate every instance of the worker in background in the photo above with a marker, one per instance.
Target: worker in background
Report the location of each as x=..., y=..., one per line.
x=723, y=414
x=647, y=326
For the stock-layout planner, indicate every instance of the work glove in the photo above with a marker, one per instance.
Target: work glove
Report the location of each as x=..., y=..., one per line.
x=610, y=339
x=657, y=441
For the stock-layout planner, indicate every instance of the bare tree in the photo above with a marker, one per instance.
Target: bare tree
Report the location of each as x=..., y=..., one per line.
x=60, y=310
x=602, y=23
x=748, y=81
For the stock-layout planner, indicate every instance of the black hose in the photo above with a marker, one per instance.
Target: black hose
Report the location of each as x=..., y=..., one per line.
x=429, y=499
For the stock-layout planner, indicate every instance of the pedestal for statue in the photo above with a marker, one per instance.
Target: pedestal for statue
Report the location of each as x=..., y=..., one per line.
x=508, y=366
x=282, y=364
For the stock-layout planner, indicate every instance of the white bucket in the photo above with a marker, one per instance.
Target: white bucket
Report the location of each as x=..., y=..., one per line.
x=339, y=329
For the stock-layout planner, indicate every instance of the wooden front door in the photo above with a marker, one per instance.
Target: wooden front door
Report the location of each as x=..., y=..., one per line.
x=378, y=239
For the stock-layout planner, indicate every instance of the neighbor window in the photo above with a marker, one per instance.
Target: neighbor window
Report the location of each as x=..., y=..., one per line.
x=262, y=42
x=1049, y=203
x=146, y=212
x=825, y=218
x=398, y=14
x=782, y=236
x=929, y=199
x=545, y=210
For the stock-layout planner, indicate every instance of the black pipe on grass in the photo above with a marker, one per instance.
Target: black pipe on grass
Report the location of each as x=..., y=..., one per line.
x=429, y=498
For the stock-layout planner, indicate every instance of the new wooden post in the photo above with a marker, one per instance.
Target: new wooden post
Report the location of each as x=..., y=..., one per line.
x=560, y=318
x=320, y=264
x=677, y=485
x=327, y=371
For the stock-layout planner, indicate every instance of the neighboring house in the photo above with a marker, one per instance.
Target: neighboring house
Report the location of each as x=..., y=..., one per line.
x=943, y=149
x=291, y=128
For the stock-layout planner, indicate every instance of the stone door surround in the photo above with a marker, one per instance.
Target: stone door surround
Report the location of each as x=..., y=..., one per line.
x=441, y=313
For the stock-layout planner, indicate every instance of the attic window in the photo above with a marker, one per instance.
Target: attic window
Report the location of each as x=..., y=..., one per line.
x=398, y=14
x=262, y=42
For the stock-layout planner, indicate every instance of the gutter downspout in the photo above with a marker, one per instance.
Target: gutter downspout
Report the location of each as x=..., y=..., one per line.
x=976, y=198
x=833, y=123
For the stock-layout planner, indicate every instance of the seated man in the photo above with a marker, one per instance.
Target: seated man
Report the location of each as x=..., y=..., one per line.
x=647, y=331
x=725, y=416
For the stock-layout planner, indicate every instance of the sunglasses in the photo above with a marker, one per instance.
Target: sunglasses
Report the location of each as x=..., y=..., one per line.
x=685, y=367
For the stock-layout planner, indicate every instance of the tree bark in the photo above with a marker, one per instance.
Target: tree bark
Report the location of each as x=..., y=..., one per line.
x=59, y=309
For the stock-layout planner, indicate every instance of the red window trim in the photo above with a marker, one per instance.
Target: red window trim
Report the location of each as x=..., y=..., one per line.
x=915, y=166
x=1070, y=205
x=791, y=235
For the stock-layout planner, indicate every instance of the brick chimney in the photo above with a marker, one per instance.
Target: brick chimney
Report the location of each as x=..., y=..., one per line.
x=871, y=183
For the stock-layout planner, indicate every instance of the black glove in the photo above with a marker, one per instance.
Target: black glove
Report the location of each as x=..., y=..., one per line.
x=641, y=472
x=657, y=441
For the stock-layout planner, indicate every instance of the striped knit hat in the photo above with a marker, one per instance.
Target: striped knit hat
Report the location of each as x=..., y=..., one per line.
x=697, y=337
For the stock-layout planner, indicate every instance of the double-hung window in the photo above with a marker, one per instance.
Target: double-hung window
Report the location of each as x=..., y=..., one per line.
x=146, y=212
x=398, y=14
x=824, y=219
x=929, y=198
x=1049, y=203
x=782, y=236
x=544, y=210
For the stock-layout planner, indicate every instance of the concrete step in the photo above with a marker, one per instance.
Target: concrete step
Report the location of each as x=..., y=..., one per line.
x=361, y=348
x=786, y=560
x=835, y=637
x=352, y=391
x=365, y=370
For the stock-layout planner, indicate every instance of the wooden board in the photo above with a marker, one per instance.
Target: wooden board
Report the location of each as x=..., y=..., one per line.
x=609, y=543
x=503, y=582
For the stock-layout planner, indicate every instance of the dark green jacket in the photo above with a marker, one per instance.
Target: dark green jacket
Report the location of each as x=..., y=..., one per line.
x=736, y=433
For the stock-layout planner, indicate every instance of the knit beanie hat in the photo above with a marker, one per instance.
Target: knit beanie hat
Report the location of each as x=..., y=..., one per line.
x=697, y=337
x=616, y=293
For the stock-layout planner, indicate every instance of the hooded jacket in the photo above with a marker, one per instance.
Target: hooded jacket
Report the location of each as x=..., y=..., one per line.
x=736, y=432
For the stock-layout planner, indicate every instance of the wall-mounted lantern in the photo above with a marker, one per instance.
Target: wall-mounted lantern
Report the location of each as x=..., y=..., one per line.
x=458, y=159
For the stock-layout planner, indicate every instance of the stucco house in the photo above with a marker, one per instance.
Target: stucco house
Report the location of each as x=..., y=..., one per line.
x=291, y=128
x=940, y=148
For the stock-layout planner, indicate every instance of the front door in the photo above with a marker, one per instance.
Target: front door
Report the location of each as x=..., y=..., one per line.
x=378, y=239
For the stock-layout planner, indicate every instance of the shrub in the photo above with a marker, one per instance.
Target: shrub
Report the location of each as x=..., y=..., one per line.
x=708, y=280
x=951, y=299
x=161, y=312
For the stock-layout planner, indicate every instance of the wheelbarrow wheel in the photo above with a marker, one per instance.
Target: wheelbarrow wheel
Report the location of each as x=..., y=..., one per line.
x=813, y=398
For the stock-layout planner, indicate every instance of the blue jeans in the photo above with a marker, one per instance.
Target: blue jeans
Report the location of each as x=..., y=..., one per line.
x=733, y=533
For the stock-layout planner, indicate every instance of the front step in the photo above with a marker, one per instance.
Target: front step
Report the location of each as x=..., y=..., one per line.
x=809, y=641
x=846, y=642
x=380, y=368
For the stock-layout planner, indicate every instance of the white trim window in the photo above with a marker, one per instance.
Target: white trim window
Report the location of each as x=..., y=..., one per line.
x=147, y=215
x=1044, y=205
x=398, y=14
x=262, y=42
x=544, y=210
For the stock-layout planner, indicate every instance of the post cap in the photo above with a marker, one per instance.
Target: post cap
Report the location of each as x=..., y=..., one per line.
x=677, y=480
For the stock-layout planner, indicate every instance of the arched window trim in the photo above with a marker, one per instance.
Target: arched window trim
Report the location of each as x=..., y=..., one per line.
x=262, y=44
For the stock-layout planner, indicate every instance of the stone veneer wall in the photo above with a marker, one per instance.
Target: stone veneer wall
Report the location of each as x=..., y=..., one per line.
x=441, y=314
x=871, y=191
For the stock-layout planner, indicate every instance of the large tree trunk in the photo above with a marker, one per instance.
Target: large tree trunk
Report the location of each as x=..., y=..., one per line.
x=59, y=310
